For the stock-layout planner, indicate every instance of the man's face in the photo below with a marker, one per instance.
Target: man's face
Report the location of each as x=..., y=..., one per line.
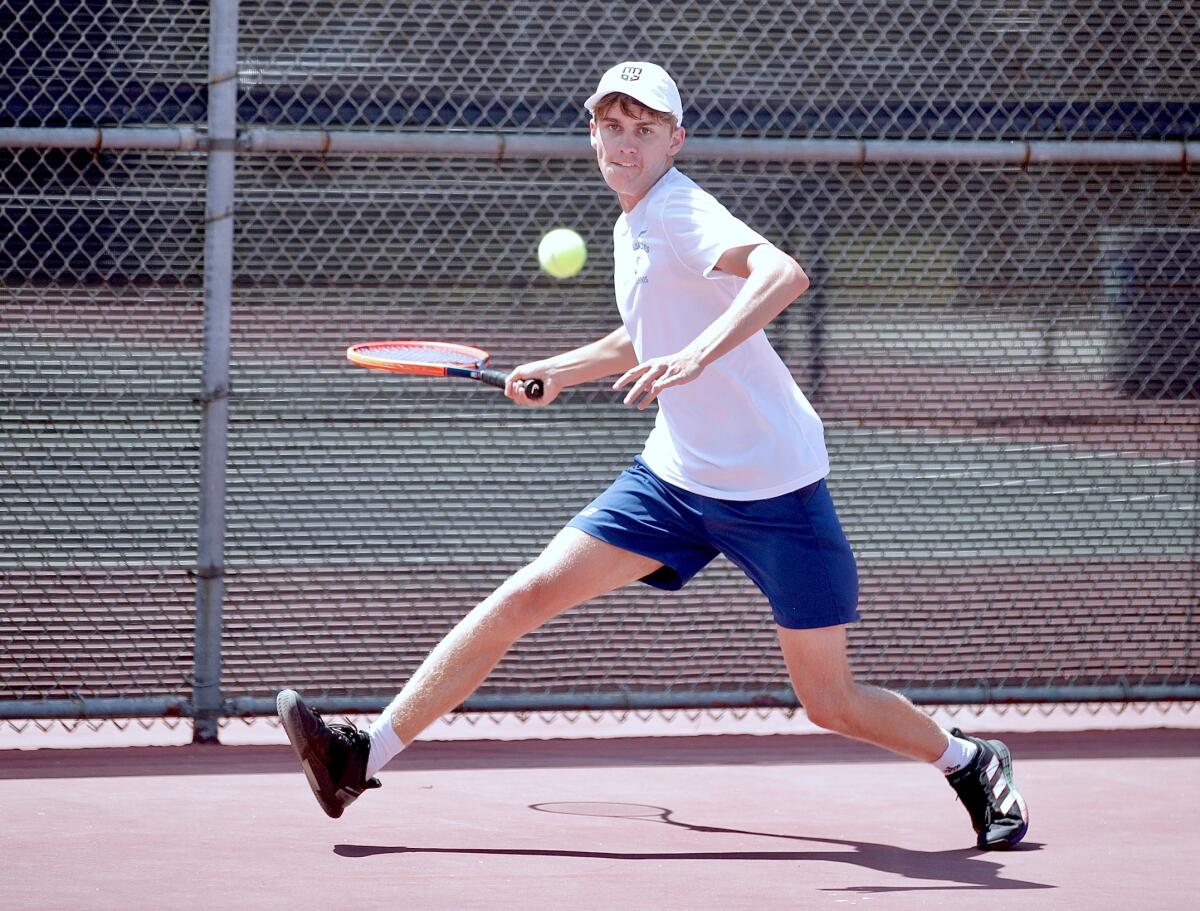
x=633, y=151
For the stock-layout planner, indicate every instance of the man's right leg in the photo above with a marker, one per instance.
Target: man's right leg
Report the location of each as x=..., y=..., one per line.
x=573, y=568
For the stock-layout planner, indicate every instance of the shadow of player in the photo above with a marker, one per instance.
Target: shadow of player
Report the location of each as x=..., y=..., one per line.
x=945, y=870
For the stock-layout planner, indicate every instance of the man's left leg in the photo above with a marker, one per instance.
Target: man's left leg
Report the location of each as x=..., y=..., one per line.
x=820, y=673
x=832, y=699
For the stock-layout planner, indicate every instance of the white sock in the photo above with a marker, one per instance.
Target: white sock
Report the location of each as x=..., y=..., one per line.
x=384, y=743
x=959, y=753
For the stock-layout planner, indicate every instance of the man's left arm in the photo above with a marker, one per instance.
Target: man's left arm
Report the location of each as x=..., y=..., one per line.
x=773, y=281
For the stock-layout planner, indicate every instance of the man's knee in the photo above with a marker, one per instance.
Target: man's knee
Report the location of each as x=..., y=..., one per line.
x=519, y=606
x=831, y=710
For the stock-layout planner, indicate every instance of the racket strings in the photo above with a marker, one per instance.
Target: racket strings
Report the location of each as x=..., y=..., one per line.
x=413, y=354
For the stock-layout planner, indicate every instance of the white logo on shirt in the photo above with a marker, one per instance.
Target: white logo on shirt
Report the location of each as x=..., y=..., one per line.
x=641, y=259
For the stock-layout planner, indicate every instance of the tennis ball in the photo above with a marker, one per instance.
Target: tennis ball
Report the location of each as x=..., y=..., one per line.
x=562, y=253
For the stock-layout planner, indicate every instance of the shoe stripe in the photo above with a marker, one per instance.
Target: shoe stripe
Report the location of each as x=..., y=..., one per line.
x=1024, y=810
x=993, y=767
x=1008, y=802
x=998, y=788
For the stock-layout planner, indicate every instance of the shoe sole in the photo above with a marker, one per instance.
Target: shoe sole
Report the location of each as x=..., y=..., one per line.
x=1008, y=841
x=287, y=705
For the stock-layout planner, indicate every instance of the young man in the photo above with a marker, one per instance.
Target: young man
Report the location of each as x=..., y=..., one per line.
x=735, y=464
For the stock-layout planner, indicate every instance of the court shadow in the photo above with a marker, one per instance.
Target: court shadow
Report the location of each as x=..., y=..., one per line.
x=960, y=869
x=952, y=870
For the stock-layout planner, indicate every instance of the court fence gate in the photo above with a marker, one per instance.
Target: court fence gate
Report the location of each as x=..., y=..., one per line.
x=204, y=205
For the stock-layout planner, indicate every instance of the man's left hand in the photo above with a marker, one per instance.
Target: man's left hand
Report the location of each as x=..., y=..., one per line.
x=651, y=377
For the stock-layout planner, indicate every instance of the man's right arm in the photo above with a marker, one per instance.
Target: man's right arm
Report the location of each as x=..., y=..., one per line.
x=596, y=360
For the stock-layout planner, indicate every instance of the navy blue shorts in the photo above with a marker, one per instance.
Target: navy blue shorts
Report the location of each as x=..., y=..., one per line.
x=791, y=546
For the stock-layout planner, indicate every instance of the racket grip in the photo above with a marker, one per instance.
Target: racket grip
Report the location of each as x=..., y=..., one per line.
x=533, y=388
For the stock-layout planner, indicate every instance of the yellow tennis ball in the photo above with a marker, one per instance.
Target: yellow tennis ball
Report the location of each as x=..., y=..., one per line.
x=562, y=253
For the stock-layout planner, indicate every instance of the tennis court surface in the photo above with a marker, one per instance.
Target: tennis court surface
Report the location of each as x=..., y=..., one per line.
x=723, y=821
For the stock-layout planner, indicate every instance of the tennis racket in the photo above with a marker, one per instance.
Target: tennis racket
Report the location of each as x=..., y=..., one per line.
x=434, y=359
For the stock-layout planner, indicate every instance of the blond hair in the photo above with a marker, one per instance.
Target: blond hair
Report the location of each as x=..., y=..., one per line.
x=631, y=107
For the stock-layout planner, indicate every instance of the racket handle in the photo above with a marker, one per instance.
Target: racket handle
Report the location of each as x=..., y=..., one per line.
x=533, y=388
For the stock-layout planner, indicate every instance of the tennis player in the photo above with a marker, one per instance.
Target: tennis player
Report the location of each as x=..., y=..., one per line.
x=736, y=464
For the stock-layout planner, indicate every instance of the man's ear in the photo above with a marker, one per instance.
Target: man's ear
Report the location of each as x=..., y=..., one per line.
x=677, y=139
x=592, y=132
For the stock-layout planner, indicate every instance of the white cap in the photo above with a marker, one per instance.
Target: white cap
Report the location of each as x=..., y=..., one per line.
x=647, y=82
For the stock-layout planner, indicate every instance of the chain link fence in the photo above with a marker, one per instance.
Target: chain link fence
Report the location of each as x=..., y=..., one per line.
x=1003, y=337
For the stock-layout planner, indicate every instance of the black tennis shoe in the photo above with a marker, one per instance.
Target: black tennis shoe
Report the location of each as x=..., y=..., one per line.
x=333, y=756
x=985, y=787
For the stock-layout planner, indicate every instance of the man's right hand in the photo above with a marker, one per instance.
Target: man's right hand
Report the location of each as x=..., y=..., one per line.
x=536, y=370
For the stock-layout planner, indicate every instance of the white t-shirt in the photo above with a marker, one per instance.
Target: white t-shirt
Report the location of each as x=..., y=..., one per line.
x=742, y=430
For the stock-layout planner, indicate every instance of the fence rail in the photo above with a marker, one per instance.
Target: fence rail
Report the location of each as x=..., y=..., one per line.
x=249, y=707
x=499, y=146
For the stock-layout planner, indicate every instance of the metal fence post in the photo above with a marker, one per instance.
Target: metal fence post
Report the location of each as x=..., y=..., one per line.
x=218, y=290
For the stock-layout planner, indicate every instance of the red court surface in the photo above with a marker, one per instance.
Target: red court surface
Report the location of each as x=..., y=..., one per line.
x=755, y=822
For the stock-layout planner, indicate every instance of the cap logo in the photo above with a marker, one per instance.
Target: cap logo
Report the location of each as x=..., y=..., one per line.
x=631, y=73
